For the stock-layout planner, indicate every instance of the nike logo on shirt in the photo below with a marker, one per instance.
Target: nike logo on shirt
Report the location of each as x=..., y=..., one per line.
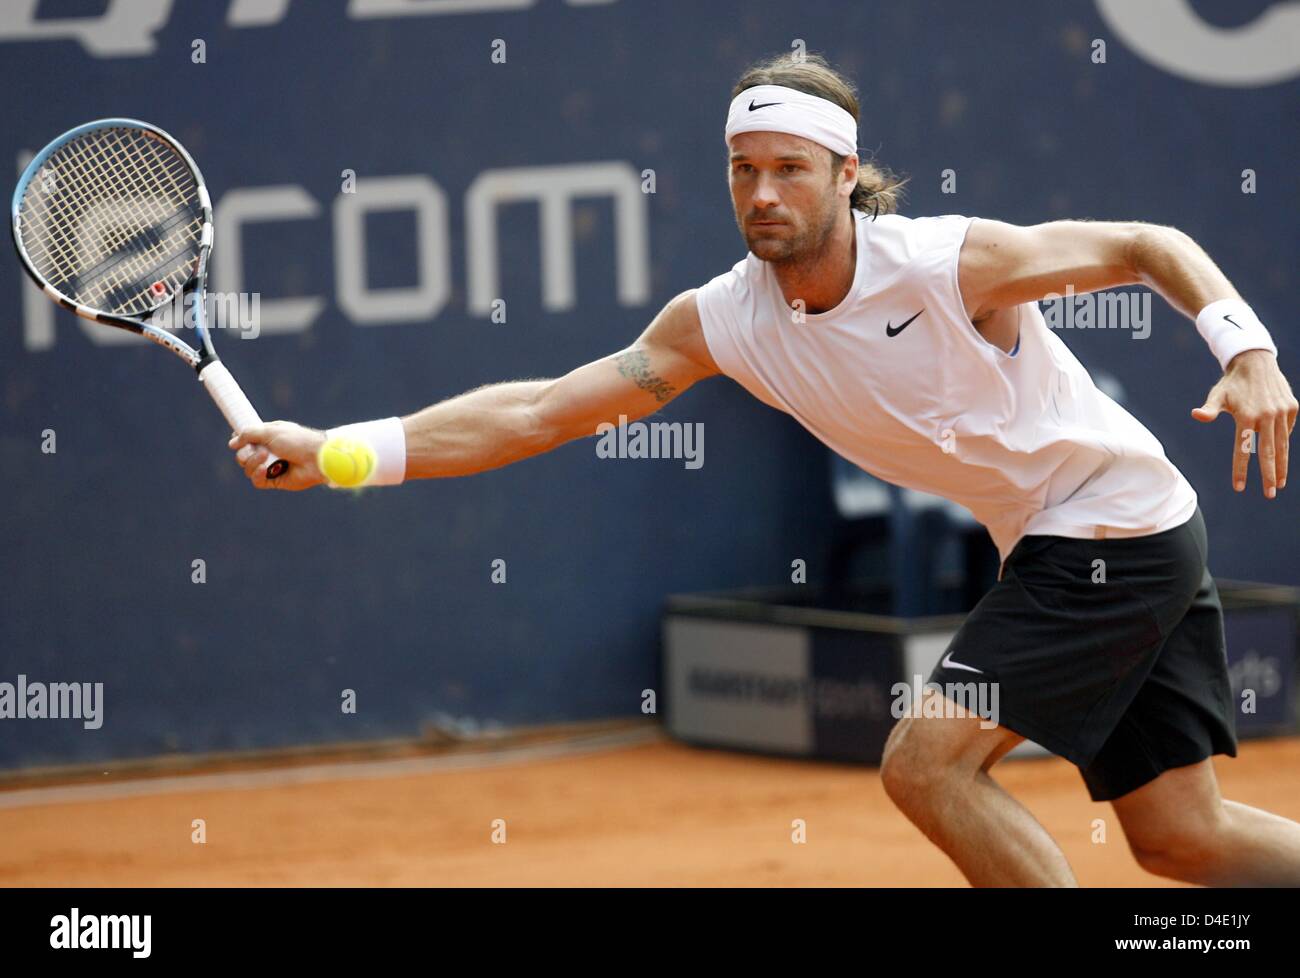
x=895, y=330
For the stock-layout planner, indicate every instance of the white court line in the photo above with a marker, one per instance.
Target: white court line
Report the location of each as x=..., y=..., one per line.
x=316, y=773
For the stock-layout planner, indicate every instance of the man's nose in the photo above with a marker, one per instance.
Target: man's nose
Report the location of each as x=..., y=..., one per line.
x=765, y=194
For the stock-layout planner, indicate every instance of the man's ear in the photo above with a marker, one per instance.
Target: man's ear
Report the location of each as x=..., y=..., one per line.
x=850, y=173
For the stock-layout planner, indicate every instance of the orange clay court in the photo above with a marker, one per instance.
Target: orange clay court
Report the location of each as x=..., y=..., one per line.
x=627, y=808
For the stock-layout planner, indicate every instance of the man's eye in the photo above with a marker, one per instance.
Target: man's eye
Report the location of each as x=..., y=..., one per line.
x=790, y=167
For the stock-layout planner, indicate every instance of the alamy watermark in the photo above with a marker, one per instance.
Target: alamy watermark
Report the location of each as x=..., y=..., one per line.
x=128, y=932
x=654, y=439
x=53, y=701
x=1099, y=310
x=954, y=700
x=240, y=311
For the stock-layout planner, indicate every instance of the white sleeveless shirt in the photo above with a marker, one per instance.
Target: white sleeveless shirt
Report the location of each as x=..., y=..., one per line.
x=1026, y=442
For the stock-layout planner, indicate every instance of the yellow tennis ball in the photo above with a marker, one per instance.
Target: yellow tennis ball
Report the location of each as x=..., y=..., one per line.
x=346, y=462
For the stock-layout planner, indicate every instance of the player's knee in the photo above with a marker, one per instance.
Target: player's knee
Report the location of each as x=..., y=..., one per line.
x=1188, y=865
x=1185, y=852
x=909, y=773
x=902, y=781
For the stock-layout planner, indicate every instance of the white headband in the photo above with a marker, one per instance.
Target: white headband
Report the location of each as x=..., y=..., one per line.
x=775, y=108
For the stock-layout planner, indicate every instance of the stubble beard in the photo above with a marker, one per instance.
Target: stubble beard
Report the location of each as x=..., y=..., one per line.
x=805, y=247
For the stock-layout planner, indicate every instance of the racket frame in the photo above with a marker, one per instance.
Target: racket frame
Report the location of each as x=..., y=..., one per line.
x=203, y=358
x=195, y=357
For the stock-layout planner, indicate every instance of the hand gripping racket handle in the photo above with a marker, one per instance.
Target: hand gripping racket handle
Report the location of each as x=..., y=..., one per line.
x=239, y=413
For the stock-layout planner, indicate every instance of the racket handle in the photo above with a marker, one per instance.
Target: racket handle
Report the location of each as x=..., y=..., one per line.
x=238, y=410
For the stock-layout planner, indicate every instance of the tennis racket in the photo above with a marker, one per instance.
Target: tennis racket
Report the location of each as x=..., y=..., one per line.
x=113, y=221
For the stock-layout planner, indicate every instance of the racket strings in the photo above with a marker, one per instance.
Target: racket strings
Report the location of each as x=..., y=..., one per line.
x=121, y=281
x=105, y=236
x=95, y=269
x=62, y=222
x=96, y=174
x=113, y=221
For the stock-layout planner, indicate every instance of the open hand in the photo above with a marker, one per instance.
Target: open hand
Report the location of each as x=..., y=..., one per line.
x=1257, y=395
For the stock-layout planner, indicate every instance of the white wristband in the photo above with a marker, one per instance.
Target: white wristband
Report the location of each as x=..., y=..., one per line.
x=1230, y=327
x=387, y=437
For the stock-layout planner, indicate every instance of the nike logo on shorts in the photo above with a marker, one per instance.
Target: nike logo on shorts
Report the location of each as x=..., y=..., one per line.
x=947, y=663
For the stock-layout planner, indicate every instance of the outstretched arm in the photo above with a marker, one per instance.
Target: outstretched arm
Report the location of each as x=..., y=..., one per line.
x=502, y=423
x=1003, y=265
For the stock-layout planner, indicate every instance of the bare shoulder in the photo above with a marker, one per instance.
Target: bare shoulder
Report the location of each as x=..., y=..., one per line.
x=677, y=328
x=986, y=236
x=987, y=247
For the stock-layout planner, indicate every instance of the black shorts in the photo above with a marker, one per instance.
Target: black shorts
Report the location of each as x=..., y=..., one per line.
x=1109, y=653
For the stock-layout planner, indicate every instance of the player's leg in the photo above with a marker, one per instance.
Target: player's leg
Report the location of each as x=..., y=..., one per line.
x=1178, y=826
x=1063, y=643
x=1155, y=767
x=936, y=770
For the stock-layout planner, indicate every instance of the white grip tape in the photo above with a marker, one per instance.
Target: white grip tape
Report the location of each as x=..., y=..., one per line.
x=234, y=404
x=225, y=391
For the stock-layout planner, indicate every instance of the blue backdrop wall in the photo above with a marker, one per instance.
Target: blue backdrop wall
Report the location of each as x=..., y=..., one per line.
x=389, y=593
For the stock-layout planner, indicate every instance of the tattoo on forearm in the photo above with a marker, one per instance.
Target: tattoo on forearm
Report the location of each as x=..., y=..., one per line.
x=635, y=365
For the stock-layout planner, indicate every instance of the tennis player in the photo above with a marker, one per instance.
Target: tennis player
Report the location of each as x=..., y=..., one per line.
x=915, y=349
